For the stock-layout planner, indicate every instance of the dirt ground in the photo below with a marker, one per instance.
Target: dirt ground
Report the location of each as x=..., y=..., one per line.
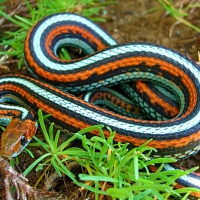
x=128, y=21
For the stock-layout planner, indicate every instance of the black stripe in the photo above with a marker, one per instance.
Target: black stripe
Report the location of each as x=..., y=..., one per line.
x=162, y=95
x=88, y=120
x=156, y=106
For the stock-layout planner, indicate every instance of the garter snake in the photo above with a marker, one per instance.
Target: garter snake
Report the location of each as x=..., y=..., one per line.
x=107, y=64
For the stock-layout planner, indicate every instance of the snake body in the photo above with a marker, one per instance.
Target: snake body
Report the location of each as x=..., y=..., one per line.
x=108, y=64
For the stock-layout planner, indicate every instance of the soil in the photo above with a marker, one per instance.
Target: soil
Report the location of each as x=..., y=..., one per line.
x=127, y=21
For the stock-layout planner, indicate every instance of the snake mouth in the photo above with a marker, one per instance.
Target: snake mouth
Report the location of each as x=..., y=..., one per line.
x=17, y=136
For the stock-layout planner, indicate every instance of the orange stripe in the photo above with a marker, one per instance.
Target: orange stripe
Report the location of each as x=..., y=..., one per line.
x=133, y=61
x=80, y=125
x=76, y=30
x=5, y=112
x=154, y=99
x=194, y=194
x=103, y=69
x=55, y=113
x=164, y=144
x=115, y=101
x=177, y=185
x=57, y=31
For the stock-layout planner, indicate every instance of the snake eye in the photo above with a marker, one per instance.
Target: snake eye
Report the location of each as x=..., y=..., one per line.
x=23, y=140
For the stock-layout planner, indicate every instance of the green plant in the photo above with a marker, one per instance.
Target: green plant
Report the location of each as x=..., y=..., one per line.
x=111, y=168
x=123, y=173
x=56, y=155
x=13, y=41
x=180, y=13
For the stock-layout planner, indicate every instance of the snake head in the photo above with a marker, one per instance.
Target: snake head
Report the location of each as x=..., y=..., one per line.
x=17, y=136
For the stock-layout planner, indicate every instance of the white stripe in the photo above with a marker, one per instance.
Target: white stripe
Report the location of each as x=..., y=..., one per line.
x=106, y=54
x=186, y=178
x=23, y=111
x=104, y=119
x=59, y=18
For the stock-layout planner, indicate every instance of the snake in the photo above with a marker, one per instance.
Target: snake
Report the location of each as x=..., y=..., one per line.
x=104, y=63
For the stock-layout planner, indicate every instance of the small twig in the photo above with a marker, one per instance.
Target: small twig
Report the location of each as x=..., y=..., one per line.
x=8, y=62
x=14, y=12
x=198, y=58
x=4, y=68
x=23, y=189
x=193, y=39
x=6, y=26
x=21, y=8
x=4, y=57
x=193, y=2
x=51, y=181
x=172, y=28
